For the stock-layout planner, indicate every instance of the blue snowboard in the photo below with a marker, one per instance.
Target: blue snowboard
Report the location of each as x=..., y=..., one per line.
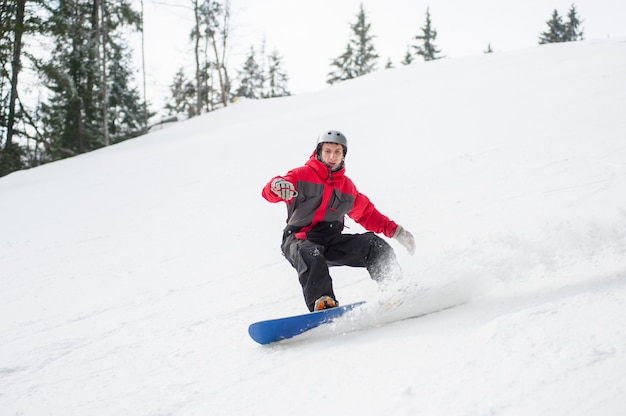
x=266, y=332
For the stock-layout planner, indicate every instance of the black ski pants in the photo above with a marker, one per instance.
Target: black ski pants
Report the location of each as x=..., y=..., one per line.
x=312, y=256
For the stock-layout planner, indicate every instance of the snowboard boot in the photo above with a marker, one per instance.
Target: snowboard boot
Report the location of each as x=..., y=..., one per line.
x=325, y=302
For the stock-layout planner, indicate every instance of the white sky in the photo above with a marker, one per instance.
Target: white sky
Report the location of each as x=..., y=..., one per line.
x=309, y=34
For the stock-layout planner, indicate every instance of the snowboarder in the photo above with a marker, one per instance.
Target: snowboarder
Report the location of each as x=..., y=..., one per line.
x=318, y=196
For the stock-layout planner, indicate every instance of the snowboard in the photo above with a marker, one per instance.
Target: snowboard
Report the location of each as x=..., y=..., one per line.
x=266, y=332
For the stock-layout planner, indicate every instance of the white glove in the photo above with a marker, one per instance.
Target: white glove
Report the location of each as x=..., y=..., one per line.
x=284, y=189
x=406, y=239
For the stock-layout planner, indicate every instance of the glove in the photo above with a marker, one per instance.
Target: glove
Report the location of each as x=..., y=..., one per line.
x=405, y=238
x=283, y=189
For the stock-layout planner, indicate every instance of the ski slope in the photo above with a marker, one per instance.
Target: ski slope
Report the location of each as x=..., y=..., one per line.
x=129, y=275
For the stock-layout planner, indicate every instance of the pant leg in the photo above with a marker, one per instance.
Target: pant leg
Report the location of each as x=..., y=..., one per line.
x=364, y=250
x=307, y=257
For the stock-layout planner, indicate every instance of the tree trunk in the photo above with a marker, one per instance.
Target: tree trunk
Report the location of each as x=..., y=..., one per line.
x=218, y=65
x=222, y=64
x=105, y=80
x=17, y=51
x=196, y=32
x=143, y=72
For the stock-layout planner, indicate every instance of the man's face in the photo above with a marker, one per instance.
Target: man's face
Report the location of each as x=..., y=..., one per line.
x=332, y=154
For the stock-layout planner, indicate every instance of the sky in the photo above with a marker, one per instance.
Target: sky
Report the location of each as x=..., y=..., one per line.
x=309, y=34
x=129, y=275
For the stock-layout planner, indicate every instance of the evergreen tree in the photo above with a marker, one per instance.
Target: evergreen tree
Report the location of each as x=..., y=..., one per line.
x=18, y=19
x=209, y=93
x=262, y=77
x=10, y=40
x=427, y=48
x=556, y=30
x=365, y=57
x=408, y=57
x=88, y=56
x=344, y=69
x=126, y=109
x=71, y=117
x=489, y=48
x=562, y=32
x=183, y=95
x=360, y=57
x=276, y=78
x=250, y=77
x=572, y=33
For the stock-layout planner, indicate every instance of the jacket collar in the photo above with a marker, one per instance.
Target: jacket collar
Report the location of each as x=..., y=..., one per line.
x=323, y=171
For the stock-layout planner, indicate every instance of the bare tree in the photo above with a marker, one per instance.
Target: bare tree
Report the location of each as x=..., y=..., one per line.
x=212, y=19
x=217, y=30
x=195, y=35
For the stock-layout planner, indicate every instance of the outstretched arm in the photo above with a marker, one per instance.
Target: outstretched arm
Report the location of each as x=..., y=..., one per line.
x=279, y=189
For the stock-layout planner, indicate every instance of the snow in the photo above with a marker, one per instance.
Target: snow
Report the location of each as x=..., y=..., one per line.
x=129, y=275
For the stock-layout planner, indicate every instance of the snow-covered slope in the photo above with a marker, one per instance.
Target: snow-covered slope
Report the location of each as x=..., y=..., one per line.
x=129, y=275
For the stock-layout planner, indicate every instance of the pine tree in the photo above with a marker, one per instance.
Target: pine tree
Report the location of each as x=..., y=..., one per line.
x=360, y=57
x=250, y=77
x=88, y=56
x=276, y=78
x=427, y=48
x=183, y=95
x=562, y=32
x=344, y=69
x=11, y=30
x=556, y=30
x=365, y=57
x=126, y=109
x=261, y=76
x=408, y=57
x=18, y=19
x=71, y=117
x=572, y=33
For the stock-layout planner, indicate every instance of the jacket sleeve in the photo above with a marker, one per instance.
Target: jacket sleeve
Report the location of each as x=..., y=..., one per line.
x=366, y=214
x=268, y=194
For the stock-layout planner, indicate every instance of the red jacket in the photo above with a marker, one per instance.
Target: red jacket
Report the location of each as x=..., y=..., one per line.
x=324, y=195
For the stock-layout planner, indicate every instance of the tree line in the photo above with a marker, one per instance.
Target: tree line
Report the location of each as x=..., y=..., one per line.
x=77, y=59
x=78, y=54
x=209, y=87
x=360, y=56
x=86, y=95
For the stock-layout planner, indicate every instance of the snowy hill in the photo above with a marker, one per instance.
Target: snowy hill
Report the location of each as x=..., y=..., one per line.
x=129, y=275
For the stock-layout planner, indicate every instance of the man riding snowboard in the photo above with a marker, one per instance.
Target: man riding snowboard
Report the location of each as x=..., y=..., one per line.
x=318, y=196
